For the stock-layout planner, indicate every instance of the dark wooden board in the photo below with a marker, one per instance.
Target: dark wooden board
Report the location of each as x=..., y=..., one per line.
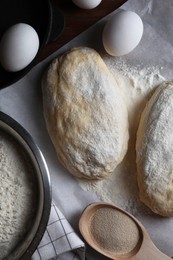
x=77, y=20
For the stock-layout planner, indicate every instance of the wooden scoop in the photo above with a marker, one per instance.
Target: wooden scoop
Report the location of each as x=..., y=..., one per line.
x=144, y=249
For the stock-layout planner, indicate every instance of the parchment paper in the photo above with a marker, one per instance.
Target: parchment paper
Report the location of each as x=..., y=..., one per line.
x=23, y=101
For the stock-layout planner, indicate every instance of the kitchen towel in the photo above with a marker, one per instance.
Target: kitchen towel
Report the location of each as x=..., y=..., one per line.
x=60, y=242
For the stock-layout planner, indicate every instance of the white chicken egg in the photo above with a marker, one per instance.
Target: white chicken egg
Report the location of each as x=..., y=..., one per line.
x=18, y=47
x=122, y=33
x=87, y=4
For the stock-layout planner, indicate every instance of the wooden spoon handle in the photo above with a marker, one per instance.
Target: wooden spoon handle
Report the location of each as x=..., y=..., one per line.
x=149, y=251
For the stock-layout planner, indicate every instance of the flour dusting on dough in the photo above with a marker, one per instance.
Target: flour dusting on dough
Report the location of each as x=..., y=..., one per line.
x=136, y=85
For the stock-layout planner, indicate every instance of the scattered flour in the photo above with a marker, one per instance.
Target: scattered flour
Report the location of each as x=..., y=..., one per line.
x=136, y=87
x=16, y=194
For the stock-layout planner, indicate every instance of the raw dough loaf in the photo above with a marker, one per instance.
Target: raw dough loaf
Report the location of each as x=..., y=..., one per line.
x=154, y=149
x=85, y=115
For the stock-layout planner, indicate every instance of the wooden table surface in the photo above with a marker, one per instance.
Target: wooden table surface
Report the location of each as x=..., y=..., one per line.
x=77, y=20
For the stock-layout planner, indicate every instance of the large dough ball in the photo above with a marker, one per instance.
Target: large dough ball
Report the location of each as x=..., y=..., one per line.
x=85, y=114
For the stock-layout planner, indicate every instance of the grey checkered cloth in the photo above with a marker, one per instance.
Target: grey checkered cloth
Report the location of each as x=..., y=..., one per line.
x=59, y=242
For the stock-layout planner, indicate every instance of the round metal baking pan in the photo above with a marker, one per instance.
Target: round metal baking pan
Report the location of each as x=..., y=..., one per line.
x=25, y=249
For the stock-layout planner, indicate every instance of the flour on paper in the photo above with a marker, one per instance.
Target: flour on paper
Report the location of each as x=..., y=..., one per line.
x=137, y=84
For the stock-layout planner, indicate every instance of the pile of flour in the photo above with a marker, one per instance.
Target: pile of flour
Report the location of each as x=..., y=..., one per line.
x=137, y=85
x=16, y=195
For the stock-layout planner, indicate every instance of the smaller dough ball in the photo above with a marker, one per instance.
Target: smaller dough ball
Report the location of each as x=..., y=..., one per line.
x=154, y=149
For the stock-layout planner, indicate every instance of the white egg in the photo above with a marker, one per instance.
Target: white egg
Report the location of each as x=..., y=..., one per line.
x=18, y=47
x=122, y=33
x=87, y=4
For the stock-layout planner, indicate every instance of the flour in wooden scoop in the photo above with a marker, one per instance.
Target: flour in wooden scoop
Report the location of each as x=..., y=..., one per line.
x=136, y=86
x=114, y=231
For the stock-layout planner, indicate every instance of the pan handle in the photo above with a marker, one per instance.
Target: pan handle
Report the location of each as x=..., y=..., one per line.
x=57, y=21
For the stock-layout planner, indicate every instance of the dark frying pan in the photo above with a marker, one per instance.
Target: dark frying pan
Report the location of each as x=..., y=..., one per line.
x=42, y=15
